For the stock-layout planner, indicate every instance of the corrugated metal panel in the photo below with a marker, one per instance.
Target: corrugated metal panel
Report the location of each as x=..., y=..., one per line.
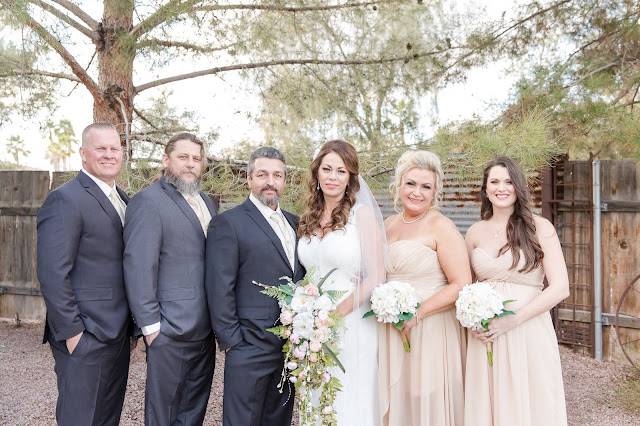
x=461, y=200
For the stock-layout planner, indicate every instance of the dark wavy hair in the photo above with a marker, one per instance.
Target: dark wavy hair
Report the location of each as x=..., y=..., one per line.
x=310, y=220
x=521, y=229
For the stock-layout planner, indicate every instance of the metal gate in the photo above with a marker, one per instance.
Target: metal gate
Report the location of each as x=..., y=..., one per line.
x=567, y=200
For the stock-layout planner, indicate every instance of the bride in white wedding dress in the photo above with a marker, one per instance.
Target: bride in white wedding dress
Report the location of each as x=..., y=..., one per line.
x=342, y=228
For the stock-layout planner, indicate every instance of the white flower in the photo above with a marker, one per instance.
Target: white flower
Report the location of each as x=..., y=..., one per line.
x=302, y=302
x=323, y=304
x=327, y=410
x=320, y=335
x=292, y=365
x=391, y=299
x=315, y=346
x=477, y=302
x=303, y=324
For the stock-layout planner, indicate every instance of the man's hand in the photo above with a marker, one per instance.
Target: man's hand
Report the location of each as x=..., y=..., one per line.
x=72, y=342
x=133, y=343
x=151, y=337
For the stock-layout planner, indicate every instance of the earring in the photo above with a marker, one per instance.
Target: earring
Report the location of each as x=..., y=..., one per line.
x=318, y=187
x=346, y=189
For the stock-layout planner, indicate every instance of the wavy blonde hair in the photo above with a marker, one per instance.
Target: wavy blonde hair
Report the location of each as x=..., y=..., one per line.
x=425, y=160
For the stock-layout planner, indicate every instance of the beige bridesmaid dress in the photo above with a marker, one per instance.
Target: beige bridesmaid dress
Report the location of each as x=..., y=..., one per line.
x=524, y=385
x=423, y=387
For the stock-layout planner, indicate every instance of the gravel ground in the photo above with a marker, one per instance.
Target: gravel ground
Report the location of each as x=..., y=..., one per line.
x=28, y=385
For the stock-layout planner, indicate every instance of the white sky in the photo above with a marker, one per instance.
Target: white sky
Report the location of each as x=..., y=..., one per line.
x=222, y=104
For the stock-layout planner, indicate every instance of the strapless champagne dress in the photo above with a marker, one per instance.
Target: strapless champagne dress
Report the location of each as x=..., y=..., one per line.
x=425, y=386
x=524, y=385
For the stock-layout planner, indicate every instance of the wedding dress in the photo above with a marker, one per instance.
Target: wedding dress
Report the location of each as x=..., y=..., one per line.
x=358, y=401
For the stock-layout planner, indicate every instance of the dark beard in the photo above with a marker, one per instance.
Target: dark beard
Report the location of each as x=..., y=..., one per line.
x=182, y=185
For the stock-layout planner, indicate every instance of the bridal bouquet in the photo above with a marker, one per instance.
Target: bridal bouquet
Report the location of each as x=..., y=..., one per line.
x=394, y=302
x=478, y=304
x=312, y=330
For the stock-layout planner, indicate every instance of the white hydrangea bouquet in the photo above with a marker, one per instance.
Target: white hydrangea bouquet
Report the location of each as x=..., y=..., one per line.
x=479, y=303
x=312, y=329
x=394, y=302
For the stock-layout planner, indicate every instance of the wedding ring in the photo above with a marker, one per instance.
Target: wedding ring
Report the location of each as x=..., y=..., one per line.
x=490, y=332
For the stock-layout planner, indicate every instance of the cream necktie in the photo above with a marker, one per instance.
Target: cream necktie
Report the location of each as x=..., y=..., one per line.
x=115, y=200
x=288, y=244
x=193, y=202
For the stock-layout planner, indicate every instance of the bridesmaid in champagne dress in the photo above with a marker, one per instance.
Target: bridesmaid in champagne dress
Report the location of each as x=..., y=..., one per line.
x=515, y=249
x=424, y=386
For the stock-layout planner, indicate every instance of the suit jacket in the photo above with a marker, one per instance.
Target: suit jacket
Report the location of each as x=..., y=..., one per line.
x=164, y=262
x=79, y=262
x=243, y=247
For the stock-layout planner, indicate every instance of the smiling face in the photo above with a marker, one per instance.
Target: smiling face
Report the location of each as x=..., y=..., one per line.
x=267, y=180
x=102, y=154
x=417, y=191
x=333, y=176
x=500, y=190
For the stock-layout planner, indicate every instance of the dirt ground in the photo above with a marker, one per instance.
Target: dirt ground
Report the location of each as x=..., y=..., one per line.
x=28, y=385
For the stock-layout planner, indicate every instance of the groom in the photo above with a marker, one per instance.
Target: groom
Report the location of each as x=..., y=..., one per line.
x=253, y=241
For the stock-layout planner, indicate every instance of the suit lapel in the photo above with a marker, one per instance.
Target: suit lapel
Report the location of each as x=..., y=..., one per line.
x=209, y=202
x=260, y=220
x=183, y=205
x=93, y=189
x=123, y=195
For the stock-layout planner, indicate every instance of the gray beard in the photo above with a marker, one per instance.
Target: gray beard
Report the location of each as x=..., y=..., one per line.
x=268, y=202
x=182, y=185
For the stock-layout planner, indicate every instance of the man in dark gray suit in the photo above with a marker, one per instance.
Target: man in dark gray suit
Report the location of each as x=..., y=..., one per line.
x=80, y=271
x=253, y=241
x=164, y=235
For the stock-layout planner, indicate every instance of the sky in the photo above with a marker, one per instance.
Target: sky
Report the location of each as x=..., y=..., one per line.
x=223, y=102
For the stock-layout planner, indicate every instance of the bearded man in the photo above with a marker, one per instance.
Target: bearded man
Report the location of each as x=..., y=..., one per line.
x=164, y=264
x=253, y=241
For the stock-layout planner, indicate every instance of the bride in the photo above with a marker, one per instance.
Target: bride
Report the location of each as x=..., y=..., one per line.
x=342, y=228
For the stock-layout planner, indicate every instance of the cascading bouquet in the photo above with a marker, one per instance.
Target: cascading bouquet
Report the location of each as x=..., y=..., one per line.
x=312, y=329
x=479, y=303
x=394, y=302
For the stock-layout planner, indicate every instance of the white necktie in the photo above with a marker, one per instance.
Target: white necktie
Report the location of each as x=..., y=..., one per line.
x=193, y=202
x=115, y=200
x=288, y=244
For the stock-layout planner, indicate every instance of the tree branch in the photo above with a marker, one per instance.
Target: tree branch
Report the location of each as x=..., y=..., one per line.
x=267, y=64
x=182, y=45
x=597, y=70
x=69, y=77
x=76, y=68
x=176, y=6
x=65, y=18
x=274, y=8
x=84, y=17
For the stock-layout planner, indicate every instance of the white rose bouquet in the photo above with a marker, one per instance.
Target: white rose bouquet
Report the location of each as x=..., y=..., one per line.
x=478, y=304
x=312, y=330
x=394, y=302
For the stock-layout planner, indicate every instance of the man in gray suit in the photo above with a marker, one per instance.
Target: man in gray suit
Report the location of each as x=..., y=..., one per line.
x=253, y=241
x=80, y=271
x=164, y=235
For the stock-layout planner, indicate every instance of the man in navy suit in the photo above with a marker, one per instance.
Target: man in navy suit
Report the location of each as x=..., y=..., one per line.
x=165, y=234
x=253, y=241
x=79, y=265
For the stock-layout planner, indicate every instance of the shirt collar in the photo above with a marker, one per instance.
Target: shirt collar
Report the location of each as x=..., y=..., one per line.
x=265, y=210
x=101, y=184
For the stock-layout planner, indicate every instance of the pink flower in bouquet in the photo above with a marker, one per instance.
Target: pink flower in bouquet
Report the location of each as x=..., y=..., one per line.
x=311, y=290
x=295, y=339
x=302, y=375
x=299, y=353
x=326, y=377
x=327, y=410
x=324, y=323
x=287, y=332
x=286, y=317
x=313, y=358
x=315, y=346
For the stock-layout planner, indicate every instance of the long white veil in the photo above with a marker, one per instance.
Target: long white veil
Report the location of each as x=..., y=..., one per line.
x=373, y=245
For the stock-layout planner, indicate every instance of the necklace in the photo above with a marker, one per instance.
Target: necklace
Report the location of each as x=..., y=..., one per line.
x=414, y=220
x=498, y=229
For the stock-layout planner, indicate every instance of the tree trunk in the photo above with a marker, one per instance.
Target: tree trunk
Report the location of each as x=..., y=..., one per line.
x=116, y=53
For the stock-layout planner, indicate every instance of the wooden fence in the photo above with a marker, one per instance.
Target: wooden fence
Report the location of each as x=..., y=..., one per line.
x=22, y=193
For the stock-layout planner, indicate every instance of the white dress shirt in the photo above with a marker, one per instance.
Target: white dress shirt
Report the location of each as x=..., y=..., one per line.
x=267, y=212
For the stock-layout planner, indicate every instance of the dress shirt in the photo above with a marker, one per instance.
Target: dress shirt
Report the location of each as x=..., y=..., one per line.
x=266, y=211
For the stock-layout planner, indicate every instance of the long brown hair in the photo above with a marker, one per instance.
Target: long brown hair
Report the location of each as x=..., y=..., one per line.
x=521, y=229
x=310, y=220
